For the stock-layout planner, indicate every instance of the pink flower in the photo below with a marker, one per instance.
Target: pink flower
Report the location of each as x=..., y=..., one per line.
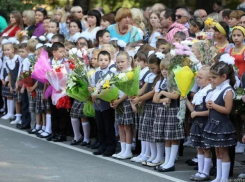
x=178, y=46
x=188, y=53
x=179, y=52
x=187, y=48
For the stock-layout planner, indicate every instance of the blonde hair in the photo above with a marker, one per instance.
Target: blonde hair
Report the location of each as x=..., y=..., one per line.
x=124, y=53
x=76, y=8
x=138, y=18
x=123, y=13
x=165, y=62
x=10, y=44
x=69, y=44
x=96, y=51
x=109, y=48
x=62, y=13
x=206, y=69
x=31, y=45
x=30, y=15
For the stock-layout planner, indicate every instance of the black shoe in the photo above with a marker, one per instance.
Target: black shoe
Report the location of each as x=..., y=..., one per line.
x=95, y=145
x=192, y=163
x=85, y=143
x=59, y=138
x=160, y=169
x=157, y=167
x=52, y=136
x=98, y=152
x=76, y=142
x=108, y=153
x=33, y=131
x=21, y=127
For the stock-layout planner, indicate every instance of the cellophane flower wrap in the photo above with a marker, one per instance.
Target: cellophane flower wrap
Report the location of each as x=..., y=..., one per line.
x=78, y=80
x=41, y=67
x=181, y=75
x=26, y=80
x=239, y=105
x=128, y=82
x=106, y=91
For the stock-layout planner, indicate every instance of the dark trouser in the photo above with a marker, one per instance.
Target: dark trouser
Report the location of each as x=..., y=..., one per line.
x=26, y=116
x=105, y=121
x=59, y=119
x=1, y=98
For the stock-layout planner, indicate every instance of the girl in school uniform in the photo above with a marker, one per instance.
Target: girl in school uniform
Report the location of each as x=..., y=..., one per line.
x=141, y=60
x=219, y=131
x=125, y=120
x=147, y=120
x=12, y=68
x=199, y=115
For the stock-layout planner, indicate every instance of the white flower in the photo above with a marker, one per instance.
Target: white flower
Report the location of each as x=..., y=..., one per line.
x=121, y=75
x=227, y=59
x=187, y=42
x=160, y=55
x=173, y=52
x=73, y=51
x=238, y=97
x=79, y=54
x=108, y=77
x=193, y=59
x=70, y=83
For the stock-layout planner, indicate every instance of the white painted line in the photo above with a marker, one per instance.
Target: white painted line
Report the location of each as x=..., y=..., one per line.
x=158, y=174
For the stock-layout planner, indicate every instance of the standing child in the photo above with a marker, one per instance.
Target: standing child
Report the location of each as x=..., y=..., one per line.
x=126, y=119
x=104, y=114
x=141, y=60
x=219, y=131
x=12, y=68
x=147, y=119
x=23, y=54
x=199, y=115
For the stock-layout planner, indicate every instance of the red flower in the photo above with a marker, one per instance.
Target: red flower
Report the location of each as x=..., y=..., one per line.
x=64, y=102
x=72, y=66
x=58, y=69
x=33, y=94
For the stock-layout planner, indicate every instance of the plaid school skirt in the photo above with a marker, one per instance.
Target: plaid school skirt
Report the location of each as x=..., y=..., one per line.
x=172, y=131
x=146, y=123
x=127, y=117
x=159, y=123
x=32, y=103
x=77, y=109
x=6, y=91
x=137, y=119
x=41, y=104
x=16, y=96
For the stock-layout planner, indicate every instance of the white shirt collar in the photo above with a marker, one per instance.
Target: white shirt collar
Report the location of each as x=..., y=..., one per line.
x=143, y=71
x=198, y=97
x=223, y=85
x=104, y=71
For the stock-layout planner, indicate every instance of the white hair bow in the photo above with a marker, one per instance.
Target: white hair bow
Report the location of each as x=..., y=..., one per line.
x=150, y=53
x=39, y=45
x=226, y=58
x=42, y=38
x=160, y=55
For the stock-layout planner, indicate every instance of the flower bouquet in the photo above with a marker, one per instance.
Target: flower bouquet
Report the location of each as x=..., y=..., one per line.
x=239, y=105
x=26, y=80
x=41, y=67
x=181, y=75
x=207, y=36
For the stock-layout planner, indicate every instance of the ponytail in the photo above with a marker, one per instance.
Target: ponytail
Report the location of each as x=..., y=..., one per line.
x=231, y=76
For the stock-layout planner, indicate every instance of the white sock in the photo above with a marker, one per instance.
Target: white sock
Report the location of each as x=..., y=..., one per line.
x=76, y=128
x=12, y=107
x=8, y=106
x=44, y=134
x=123, y=148
x=86, y=131
x=167, y=156
x=38, y=127
x=173, y=154
x=153, y=148
x=206, y=168
x=160, y=153
x=200, y=158
x=43, y=128
x=143, y=147
x=218, y=171
x=48, y=128
x=18, y=117
x=225, y=171
x=147, y=151
x=128, y=150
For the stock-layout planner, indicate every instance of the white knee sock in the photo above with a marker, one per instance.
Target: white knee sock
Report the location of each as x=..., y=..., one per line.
x=43, y=128
x=123, y=148
x=147, y=151
x=86, y=131
x=173, y=154
x=153, y=148
x=206, y=168
x=48, y=128
x=160, y=153
x=143, y=147
x=200, y=158
x=76, y=128
x=12, y=107
x=219, y=171
x=167, y=156
x=8, y=106
x=38, y=127
x=225, y=171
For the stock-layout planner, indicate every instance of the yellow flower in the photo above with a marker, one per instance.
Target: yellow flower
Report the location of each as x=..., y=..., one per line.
x=106, y=85
x=194, y=40
x=90, y=73
x=130, y=75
